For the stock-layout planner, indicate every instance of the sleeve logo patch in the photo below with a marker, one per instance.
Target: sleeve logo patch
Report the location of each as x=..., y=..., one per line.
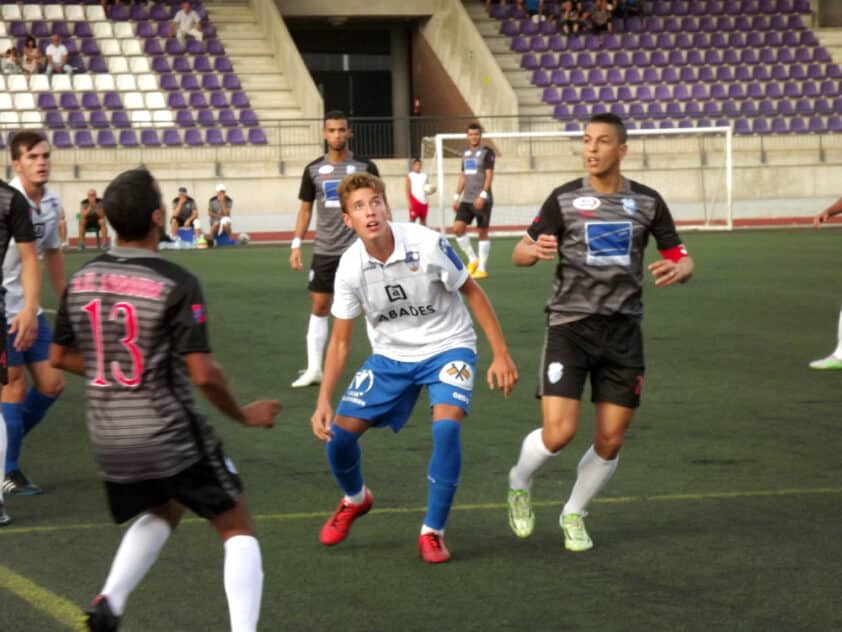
x=200, y=316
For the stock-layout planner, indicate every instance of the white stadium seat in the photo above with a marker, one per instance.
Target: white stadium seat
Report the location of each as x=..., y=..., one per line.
x=162, y=118
x=16, y=83
x=109, y=46
x=126, y=82
x=155, y=101
x=130, y=46
x=83, y=83
x=147, y=82
x=117, y=65
x=104, y=82
x=5, y=101
x=140, y=117
x=10, y=12
x=133, y=101
x=39, y=83
x=123, y=30
x=94, y=13
x=53, y=12
x=32, y=12
x=139, y=65
x=9, y=119
x=31, y=118
x=62, y=83
x=74, y=13
x=24, y=101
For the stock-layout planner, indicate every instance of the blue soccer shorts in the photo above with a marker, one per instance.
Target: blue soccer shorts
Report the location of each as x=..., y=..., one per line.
x=40, y=349
x=384, y=391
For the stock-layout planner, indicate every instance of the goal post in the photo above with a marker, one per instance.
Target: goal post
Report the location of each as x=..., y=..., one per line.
x=692, y=168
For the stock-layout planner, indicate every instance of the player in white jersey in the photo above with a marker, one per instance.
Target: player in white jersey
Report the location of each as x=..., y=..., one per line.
x=418, y=187
x=833, y=362
x=409, y=284
x=24, y=407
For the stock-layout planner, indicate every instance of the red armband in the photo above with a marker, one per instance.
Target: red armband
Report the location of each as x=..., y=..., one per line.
x=674, y=254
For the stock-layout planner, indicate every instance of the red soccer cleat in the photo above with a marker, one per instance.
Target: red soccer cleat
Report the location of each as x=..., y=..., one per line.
x=339, y=524
x=432, y=549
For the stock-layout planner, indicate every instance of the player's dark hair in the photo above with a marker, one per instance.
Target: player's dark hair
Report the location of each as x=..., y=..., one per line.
x=361, y=180
x=414, y=160
x=25, y=140
x=129, y=202
x=335, y=115
x=474, y=125
x=612, y=119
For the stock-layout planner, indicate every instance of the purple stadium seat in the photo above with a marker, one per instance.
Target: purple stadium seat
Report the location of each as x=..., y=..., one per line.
x=529, y=62
x=596, y=77
x=736, y=91
x=712, y=109
x=706, y=74
x=181, y=64
x=568, y=95
x=18, y=29
x=693, y=109
x=766, y=108
x=215, y=47
x=757, y=126
x=614, y=76
x=551, y=96
x=754, y=90
x=779, y=73
x=509, y=28
x=160, y=12
x=213, y=136
x=767, y=56
x=83, y=139
x=208, y=30
x=88, y=46
x=61, y=139
x=558, y=78
x=561, y=112
x=152, y=46
x=161, y=64
x=138, y=12
x=171, y=138
x=779, y=125
x=257, y=137
x=624, y=94
x=128, y=138
x=637, y=111
x=201, y=63
x=82, y=29
x=607, y=94
x=588, y=95
x=98, y=119
x=730, y=109
x=173, y=47
x=197, y=100
x=599, y=108
x=111, y=101
x=90, y=101
x=748, y=108
x=501, y=11
x=210, y=81
x=820, y=54
x=195, y=47
x=669, y=75
x=234, y=136
x=229, y=82
x=76, y=120
x=801, y=6
x=149, y=138
x=786, y=107
x=39, y=28
x=658, y=58
x=205, y=118
x=54, y=120
x=61, y=28
x=97, y=65
x=674, y=110
x=539, y=79
x=773, y=90
x=46, y=101
x=811, y=89
x=184, y=118
x=169, y=82
x=757, y=23
x=581, y=111
x=585, y=60
x=548, y=61
x=105, y=138
x=799, y=72
x=227, y=118
x=538, y=44
x=804, y=55
x=782, y=22
x=164, y=29
x=823, y=107
x=622, y=60
x=119, y=12
x=528, y=27
x=520, y=44
x=189, y=82
x=834, y=124
x=120, y=119
x=193, y=137
x=644, y=93
x=68, y=101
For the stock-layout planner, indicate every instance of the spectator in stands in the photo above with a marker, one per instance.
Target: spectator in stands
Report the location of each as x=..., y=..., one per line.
x=601, y=16
x=219, y=211
x=92, y=217
x=573, y=16
x=533, y=8
x=185, y=213
x=186, y=22
x=32, y=58
x=57, y=57
x=11, y=62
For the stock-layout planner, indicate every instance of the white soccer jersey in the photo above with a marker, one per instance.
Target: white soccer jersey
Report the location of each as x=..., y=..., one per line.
x=412, y=305
x=45, y=222
x=417, y=182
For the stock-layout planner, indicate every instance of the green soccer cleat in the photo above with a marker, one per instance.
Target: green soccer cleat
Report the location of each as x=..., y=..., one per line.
x=830, y=363
x=576, y=537
x=521, y=518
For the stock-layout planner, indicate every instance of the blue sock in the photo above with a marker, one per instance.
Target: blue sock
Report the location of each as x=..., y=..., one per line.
x=344, y=455
x=13, y=415
x=443, y=472
x=35, y=407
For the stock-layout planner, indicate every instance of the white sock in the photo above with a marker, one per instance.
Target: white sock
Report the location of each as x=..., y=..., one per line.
x=316, y=341
x=3, y=443
x=591, y=476
x=465, y=244
x=243, y=582
x=358, y=498
x=533, y=454
x=425, y=530
x=484, y=250
x=137, y=553
x=838, y=352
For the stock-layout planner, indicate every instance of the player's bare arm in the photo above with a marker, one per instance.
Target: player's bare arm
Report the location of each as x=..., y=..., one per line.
x=826, y=214
x=54, y=265
x=667, y=272
x=502, y=368
x=335, y=357
x=460, y=186
x=206, y=373
x=302, y=223
x=479, y=203
x=528, y=252
x=67, y=359
x=25, y=323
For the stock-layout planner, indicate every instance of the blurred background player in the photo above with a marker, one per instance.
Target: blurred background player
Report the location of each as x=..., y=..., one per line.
x=219, y=212
x=473, y=199
x=320, y=183
x=24, y=407
x=145, y=339
x=418, y=187
x=598, y=227
x=15, y=223
x=833, y=362
x=92, y=217
x=409, y=284
x=185, y=214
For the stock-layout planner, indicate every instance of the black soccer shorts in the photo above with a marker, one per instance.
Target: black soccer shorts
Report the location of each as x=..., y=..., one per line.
x=609, y=349
x=466, y=212
x=323, y=273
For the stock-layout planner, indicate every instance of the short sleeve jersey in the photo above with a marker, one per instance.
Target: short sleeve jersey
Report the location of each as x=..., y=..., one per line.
x=85, y=204
x=187, y=209
x=14, y=225
x=412, y=305
x=320, y=184
x=417, y=183
x=475, y=162
x=133, y=315
x=186, y=21
x=45, y=226
x=215, y=207
x=602, y=238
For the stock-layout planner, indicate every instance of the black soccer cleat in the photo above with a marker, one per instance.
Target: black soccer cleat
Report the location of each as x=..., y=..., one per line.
x=17, y=484
x=99, y=618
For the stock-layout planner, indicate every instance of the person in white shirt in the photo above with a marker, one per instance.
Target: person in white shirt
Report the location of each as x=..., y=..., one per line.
x=186, y=22
x=57, y=56
x=418, y=187
x=409, y=284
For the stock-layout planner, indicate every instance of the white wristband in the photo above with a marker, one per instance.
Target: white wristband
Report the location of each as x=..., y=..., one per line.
x=456, y=197
x=484, y=195
x=296, y=242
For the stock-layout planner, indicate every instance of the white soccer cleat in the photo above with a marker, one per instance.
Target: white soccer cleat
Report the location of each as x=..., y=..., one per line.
x=576, y=537
x=308, y=378
x=830, y=363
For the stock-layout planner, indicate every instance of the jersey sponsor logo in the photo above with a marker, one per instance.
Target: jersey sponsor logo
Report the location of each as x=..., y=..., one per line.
x=630, y=206
x=458, y=374
x=448, y=251
x=350, y=169
x=200, y=316
x=326, y=169
x=412, y=260
x=395, y=293
x=586, y=203
x=461, y=397
x=609, y=243
x=470, y=166
x=39, y=229
x=412, y=310
x=467, y=152
x=331, y=191
x=554, y=372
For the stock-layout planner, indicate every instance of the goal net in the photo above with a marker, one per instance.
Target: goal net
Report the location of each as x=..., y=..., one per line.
x=691, y=168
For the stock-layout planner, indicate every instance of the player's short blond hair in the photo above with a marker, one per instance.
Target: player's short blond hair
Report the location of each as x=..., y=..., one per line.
x=361, y=180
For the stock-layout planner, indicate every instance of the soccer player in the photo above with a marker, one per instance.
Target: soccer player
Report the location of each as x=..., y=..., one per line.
x=409, y=284
x=417, y=188
x=473, y=199
x=134, y=325
x=25, y=406
x=15, y=223
x=832, y=362
x=598, y=227
x=320, y=183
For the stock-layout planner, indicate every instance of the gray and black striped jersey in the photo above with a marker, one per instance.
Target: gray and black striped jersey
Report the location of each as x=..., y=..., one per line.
x=14, y=223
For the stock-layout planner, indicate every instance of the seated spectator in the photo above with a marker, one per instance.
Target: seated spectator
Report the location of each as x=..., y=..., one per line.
x=533, y=8
x=601, y=16
x=573, y=17
x=92, y=217
x=57, y=57
x=11, y=62
x=186, y=22
x=185, y=213
x=219, y=211
x=32, y=58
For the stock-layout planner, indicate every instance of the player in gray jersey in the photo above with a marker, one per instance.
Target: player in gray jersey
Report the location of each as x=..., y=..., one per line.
x=320, y=184
x=134, y=325
x=598, y=228
x=473, y=199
